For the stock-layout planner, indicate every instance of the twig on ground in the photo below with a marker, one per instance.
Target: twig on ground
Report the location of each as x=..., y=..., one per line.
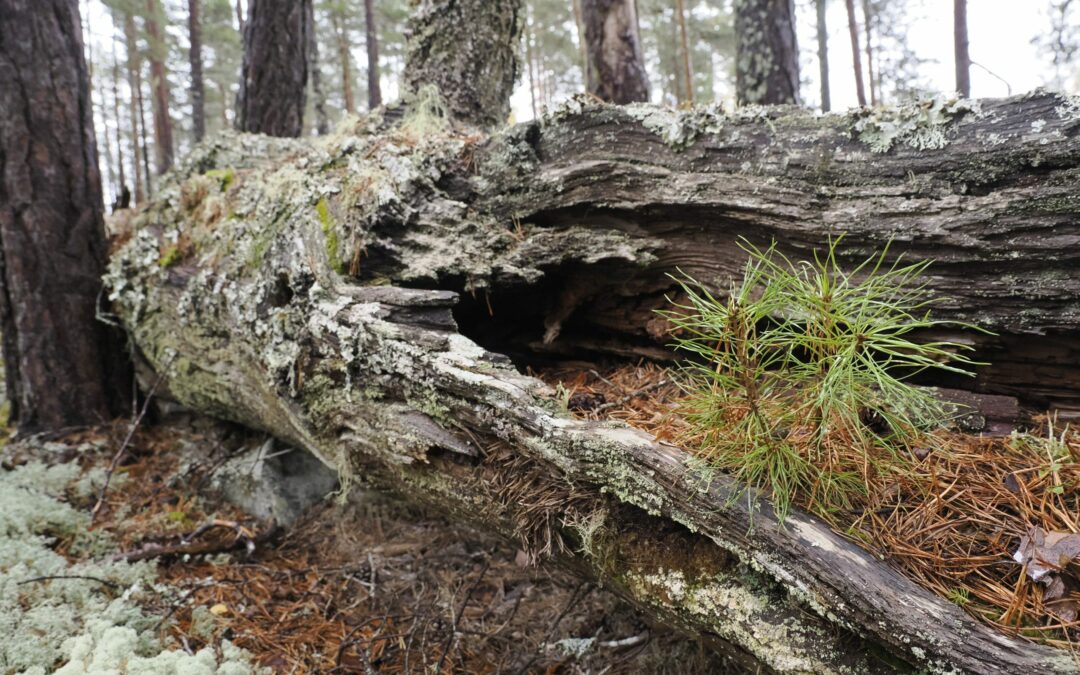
x=50, y=577
x=136, y=420
x=457, y=619
x=187, y=547
x=631, y=396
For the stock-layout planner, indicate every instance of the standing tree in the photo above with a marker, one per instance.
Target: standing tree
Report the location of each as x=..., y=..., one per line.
x=823, y=56
x=159, y=84
x=273, y=82
x=684, y=43
x=616, y=69
x=856, y=60
x=960, y=47
x=63, y=366
x=469, y=53
x=767, y=55
x=371, y=40
x=322, y=122
x=868, y=28
x=341, y=37
x=198, y=110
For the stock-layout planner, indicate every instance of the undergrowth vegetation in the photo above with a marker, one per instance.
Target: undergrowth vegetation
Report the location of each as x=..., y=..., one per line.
x=798, y=379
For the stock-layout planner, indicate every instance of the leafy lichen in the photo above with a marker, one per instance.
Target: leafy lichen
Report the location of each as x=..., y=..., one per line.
x=923, y=125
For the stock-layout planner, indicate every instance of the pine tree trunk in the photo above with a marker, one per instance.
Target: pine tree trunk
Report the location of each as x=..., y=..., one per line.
x=345, y=57
x=767, y=55
x=616, y=68
x=63, y=367
x=198, y=91
x=684, y=42
x=868, y=20
x=159, y=85
x=856, y=59
x=960, y=46
x=135, y=85
x=528, y=40
x=322, y=121
x=823, y=55
x=470, y=54
x=371, y=39
x=273, y=81
x=579, y=24
x=124, y=196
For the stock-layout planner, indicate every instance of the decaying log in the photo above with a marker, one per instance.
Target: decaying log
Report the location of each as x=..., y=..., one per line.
x=309, y=290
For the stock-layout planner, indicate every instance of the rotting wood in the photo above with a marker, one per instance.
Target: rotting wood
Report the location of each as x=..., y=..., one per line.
x=261, y=275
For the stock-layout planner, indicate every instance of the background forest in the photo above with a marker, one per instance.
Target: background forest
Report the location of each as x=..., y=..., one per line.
x=166, y=72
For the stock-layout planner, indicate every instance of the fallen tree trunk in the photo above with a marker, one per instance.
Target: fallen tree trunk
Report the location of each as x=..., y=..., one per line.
x=309, y=291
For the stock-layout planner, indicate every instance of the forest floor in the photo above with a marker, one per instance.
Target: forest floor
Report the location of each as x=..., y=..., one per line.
x=363, y=585
x=953, y=520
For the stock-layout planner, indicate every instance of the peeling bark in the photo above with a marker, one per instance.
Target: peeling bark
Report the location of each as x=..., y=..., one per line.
x=309, y=290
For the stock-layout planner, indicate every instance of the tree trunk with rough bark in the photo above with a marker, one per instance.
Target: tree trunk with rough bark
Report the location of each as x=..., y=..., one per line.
x=273, y=80
x=63, y=366
x=856, y=59
x=159, y=86
x=198, y=94
x=322, y=121
x=766, y=52
x=616, y=71
x=371, y=41
x=960, y=48
x=467, y=49
x=356, y=300
x=341, y=37
x=135, y=85
x=684, y=46
x=823, y=55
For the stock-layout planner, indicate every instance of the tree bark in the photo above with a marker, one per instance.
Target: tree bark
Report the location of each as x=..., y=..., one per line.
x=322, y=121
x=468, y=50
x=766, y=52
x=856, y=60
x=63, y=367
x=345, y=57
x=198, y=95
x=371, y=40
x=616, y=70
x=273, y=80
x=960, y=47
x=823, y=55
x=159, y=84
x=322, y=312
x=868, y=29
x=135, y=85
x=123, y=194
x=684, y=42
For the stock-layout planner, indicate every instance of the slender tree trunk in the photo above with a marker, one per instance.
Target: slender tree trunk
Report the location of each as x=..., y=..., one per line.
x=616, y=67
x=960, y=46
x=239, y=17
x=273, y=82
x=371, y=39
x=528, y=40
x=468, y=50
x=853, y=31
x=344, y=55
x=823, y=55
x=131, y=47
x=63, y=366
x=767, y=54
x=143, y=138
x=868, y=20
x=579, y=23
x=198, y=92
x=123, y=188
x=684, y=43
x=322, y=121
x=224, y=93
x=159, y=85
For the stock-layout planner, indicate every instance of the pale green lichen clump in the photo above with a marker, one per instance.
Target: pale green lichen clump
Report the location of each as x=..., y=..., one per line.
x=922, y=125
x=82, y=625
